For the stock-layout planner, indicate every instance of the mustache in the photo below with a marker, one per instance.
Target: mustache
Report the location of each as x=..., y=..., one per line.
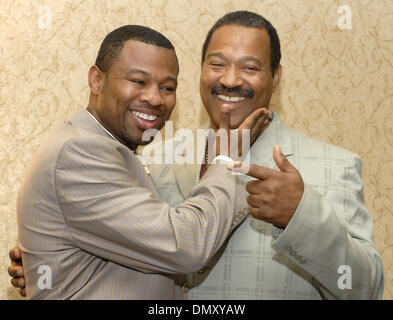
x=248, y=93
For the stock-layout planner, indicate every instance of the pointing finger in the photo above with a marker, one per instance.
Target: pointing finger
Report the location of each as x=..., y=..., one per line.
x=252, y=170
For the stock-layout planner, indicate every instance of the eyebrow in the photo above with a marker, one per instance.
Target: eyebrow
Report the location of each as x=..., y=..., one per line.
x=246, y=58
x=215, y=54
x=250, y=58
x=143, y=72
x=137, y=71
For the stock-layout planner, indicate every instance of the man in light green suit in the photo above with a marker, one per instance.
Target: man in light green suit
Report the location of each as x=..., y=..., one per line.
x=309, y=235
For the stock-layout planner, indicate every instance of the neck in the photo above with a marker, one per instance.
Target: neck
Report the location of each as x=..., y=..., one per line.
x=114, y=136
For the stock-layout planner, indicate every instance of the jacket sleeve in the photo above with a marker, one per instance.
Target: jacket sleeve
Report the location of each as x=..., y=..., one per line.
x=111, y=215
x=331, y=237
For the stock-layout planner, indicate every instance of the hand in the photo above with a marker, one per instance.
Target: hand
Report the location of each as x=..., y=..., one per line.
x=15, y=270
x=222, y=134
x=275, y=196
x=256, y=123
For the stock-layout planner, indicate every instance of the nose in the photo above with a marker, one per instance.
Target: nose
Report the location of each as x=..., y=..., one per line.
x=231, y=78
x=152, y=95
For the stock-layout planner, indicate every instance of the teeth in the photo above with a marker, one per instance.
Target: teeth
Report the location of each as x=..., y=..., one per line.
x=230, y=99
x=144, y=116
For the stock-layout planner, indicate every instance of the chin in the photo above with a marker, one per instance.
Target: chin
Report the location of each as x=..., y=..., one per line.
x=234, y=124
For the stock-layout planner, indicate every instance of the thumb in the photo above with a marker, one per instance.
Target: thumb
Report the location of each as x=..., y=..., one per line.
x=282, y=162
x=225, y=117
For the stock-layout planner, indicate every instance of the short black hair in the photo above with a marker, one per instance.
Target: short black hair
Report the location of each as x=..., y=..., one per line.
x=113, y=43
x=250, y=20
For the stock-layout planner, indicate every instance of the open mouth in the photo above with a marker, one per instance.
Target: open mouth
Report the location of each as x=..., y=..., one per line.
x=145, y=116
x=230, y=98
x=145, y=120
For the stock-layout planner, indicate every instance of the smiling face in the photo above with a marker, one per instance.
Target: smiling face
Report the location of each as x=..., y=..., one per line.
x=237, y=73
x=138, y=92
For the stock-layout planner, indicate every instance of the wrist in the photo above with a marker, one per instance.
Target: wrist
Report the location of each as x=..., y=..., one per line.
x=223, y=159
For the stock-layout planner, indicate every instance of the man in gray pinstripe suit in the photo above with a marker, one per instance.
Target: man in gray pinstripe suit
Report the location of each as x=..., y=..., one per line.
x=91, y=225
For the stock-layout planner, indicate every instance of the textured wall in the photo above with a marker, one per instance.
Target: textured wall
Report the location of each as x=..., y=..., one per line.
x=337, y=83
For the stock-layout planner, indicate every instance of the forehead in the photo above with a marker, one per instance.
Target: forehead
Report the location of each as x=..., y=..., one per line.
x=150, y=58
x=238, y=41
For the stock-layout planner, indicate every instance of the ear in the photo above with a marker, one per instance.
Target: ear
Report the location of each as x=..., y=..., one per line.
x=96, y=80
x=277, y=77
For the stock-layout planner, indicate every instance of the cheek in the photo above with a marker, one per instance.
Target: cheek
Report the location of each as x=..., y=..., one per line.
x=262, y=92
x=238, y=117
x=170, y=103
x=207, y=82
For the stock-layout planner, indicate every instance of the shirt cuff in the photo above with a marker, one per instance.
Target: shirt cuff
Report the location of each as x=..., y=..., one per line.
x=223, y=159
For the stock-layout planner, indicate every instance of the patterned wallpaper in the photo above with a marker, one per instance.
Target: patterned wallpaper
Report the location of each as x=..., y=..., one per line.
x=337, y=81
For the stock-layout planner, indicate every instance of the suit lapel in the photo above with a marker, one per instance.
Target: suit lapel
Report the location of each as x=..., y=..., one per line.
x=186, y=177
x=277, y=133
x=187, y=174
x=84, y=119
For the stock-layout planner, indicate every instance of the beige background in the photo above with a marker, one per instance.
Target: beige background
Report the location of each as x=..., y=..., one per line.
x=337, y=84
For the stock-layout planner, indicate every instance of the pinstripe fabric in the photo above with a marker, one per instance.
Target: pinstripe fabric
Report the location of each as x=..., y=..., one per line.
x=88, y=210
x=330, y=228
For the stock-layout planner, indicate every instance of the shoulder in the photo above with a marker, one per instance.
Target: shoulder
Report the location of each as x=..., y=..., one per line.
x=326, y=166
x=83, y=146
x=309, y=147
x=319, y=160
x=69, y=144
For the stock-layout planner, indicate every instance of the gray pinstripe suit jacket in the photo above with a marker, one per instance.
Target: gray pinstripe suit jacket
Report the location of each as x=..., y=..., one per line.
x=330, y=228
x=88, y=210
